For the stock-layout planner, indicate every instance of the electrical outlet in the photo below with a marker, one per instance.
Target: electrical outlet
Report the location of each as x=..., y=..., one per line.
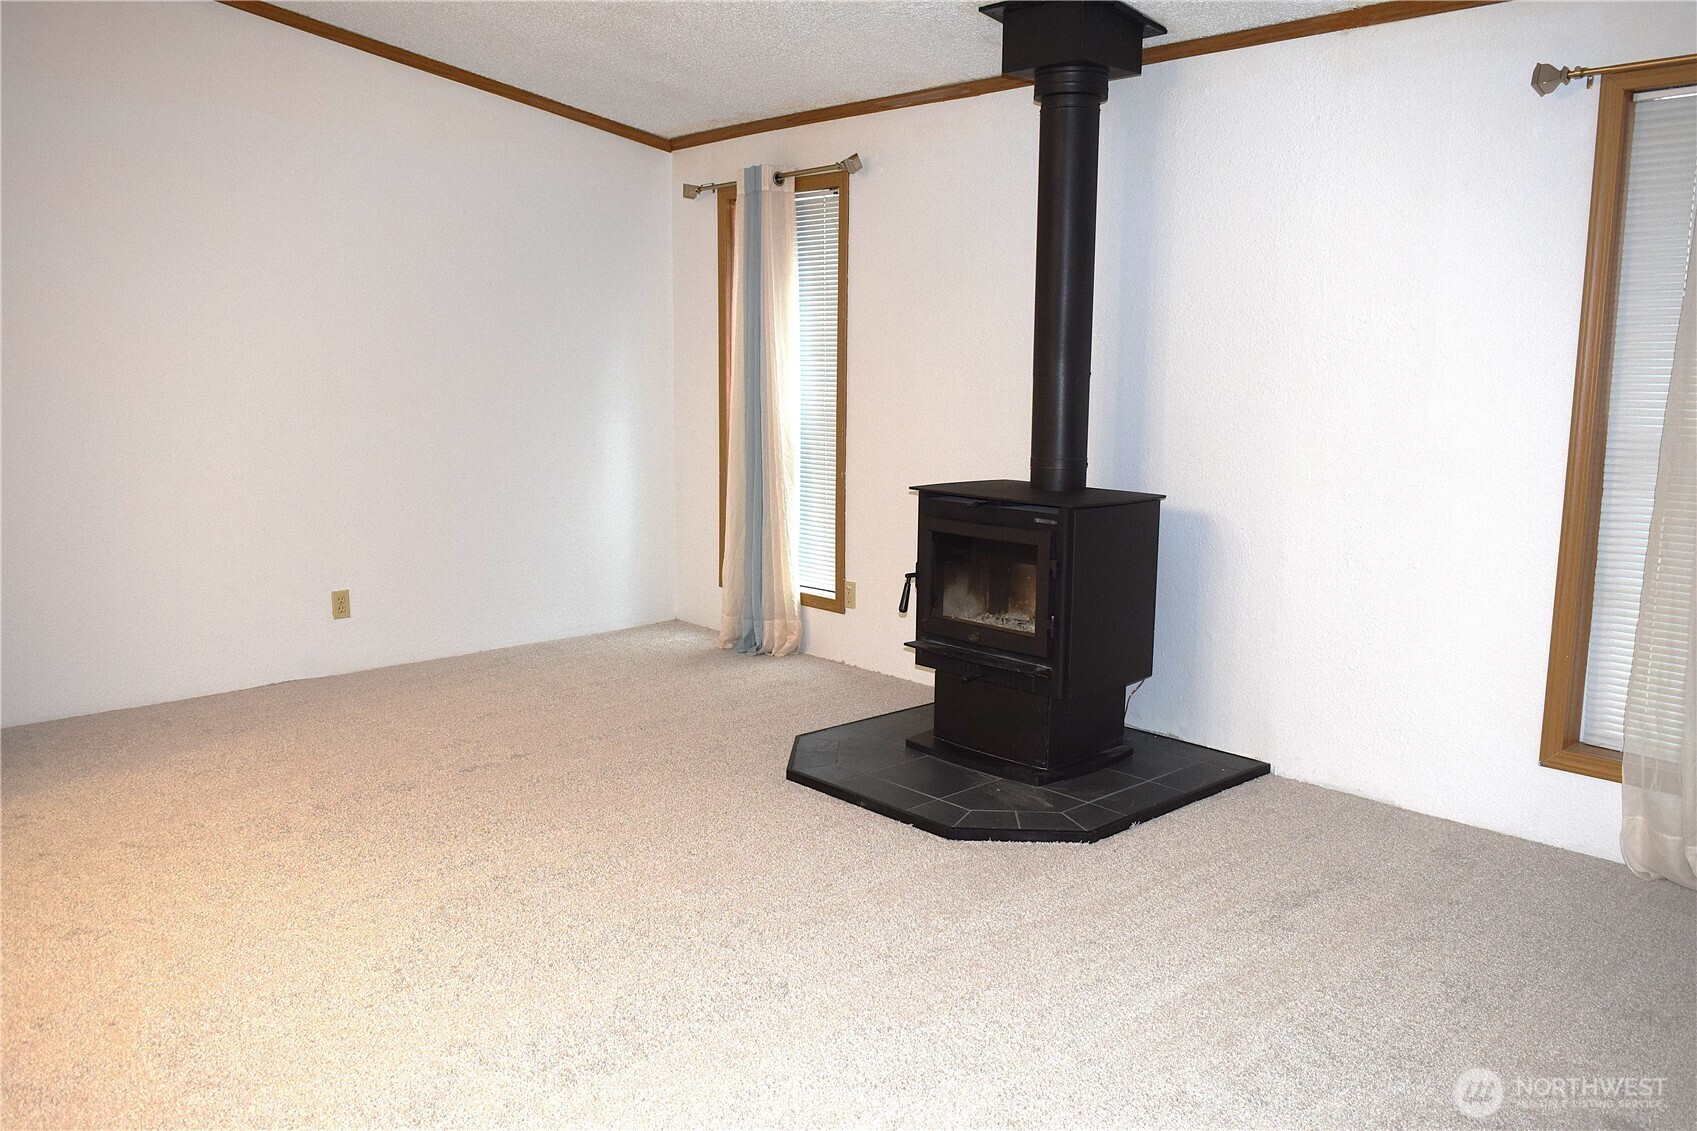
x=848, y=594
x=339, y=606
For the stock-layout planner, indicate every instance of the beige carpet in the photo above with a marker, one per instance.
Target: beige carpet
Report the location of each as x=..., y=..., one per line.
x=568, y=884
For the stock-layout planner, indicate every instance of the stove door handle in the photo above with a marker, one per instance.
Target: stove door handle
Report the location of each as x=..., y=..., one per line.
x=907, y=591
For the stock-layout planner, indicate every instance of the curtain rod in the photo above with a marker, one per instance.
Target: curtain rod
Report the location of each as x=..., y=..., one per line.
x=849, y=164
x=1545, y=78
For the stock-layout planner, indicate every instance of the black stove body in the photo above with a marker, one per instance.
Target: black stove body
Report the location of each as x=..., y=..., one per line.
x=1037, y=610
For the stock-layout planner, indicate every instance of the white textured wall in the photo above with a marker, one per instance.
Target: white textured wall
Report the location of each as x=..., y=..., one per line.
x=1338, y=291
x=280, y=318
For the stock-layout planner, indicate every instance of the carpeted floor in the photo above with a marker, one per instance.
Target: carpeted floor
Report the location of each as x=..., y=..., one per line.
x=568, y=884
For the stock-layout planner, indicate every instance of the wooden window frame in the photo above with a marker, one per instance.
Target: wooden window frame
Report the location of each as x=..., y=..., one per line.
x=727, y=199
x=1576, y=565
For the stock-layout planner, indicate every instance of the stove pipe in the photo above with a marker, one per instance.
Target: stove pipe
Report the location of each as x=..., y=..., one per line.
x=1071, y=96
x=1069, y=51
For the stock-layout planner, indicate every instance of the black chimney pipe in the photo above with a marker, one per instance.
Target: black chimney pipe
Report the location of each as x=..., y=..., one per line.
x=1071, y=96
x=1069, y=50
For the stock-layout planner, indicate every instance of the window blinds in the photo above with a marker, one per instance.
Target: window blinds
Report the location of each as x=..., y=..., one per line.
x=1661, y=193
x=816, y=230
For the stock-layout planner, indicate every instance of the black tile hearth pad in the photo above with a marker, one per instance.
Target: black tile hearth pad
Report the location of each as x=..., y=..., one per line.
x=868, y=763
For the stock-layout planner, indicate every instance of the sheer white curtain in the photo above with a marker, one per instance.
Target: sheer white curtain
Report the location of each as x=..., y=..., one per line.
x=762, y=598
x=1659, y=748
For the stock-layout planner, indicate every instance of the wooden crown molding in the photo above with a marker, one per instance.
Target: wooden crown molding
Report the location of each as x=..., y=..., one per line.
x=1155, y=53
x=1366, y=16
x=358, y=42
x=850, y=110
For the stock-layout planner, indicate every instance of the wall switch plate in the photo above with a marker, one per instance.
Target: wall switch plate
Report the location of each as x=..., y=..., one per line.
x=848, y=594
x=339, y=606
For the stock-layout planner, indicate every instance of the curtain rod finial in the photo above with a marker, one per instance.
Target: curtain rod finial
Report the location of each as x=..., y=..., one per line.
x=1545, y=78
x=691, y=191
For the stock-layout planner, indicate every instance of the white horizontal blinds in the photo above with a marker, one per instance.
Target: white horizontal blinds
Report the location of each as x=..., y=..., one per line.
x=816, y=241
x=1661, y=192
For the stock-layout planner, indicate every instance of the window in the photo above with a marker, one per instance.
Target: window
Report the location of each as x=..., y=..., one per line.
x=821, y=221
x=1643, y=196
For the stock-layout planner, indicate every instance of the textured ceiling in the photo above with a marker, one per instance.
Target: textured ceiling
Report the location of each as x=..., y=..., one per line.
x=677, y=67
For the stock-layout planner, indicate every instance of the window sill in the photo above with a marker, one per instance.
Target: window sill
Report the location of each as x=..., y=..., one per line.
x=1583, y=758
x=814, y=601
x=828, y=604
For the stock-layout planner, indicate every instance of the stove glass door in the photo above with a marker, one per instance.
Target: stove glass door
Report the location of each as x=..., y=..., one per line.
x=985, y=582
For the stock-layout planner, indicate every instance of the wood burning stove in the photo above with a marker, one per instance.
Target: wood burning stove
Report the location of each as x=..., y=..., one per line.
x=1035, y=601
x=1037, y=610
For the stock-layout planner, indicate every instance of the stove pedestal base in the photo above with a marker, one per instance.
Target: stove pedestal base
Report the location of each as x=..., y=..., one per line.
x=1027, y=734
